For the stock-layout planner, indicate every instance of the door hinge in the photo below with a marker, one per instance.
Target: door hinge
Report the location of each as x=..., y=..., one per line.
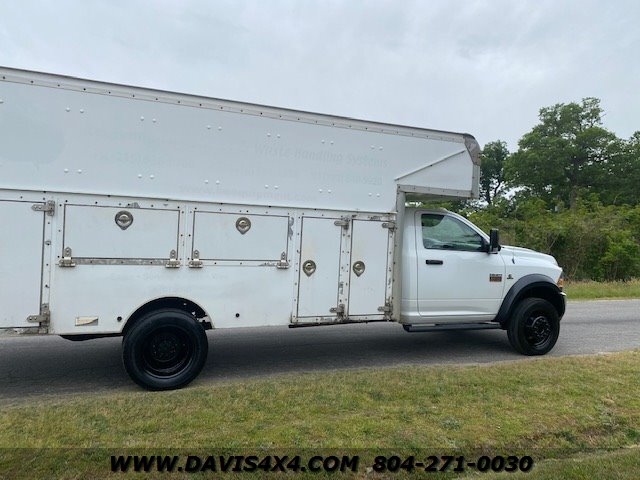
x=343, y=222
x=387, y=308
x=49, y=208
x=389, y=225
x=173, y=261
x=43, y=318
x=67, y=259
x=339, y=310
x=195, y=262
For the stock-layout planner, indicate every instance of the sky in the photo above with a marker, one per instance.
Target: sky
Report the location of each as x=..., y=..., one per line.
x=483, y=67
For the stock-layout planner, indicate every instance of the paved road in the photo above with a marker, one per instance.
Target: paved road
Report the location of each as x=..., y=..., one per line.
x=33, y=367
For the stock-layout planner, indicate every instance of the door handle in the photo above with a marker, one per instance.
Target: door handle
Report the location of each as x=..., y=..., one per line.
x=434, y=262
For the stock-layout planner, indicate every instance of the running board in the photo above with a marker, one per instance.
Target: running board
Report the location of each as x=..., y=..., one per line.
x=339, y=322
x=452, y=326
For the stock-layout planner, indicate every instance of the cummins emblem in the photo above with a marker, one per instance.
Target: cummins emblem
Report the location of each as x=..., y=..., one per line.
x=243, y=224
x=124, y=219
x=495, y=277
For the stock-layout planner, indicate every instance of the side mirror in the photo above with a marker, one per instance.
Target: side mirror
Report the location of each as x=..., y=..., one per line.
x=494, y=240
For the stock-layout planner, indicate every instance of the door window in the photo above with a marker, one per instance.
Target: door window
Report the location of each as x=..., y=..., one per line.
x=442, y=232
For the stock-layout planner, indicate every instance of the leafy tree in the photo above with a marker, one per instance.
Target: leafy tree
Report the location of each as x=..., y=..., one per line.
x=622, y=176
x=621, y=259
x=564, y=153
x=493, y=159
x=567, y=160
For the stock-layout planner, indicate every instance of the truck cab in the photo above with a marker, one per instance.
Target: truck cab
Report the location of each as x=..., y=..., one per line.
x=455, y=277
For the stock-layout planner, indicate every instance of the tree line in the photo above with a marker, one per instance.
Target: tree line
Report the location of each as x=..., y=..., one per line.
x=572, y=189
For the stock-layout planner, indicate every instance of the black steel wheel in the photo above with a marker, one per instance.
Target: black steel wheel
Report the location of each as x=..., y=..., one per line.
x=534, y=327
x=166, y=349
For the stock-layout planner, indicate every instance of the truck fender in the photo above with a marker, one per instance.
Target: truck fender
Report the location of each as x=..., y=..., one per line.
x=533, y=285
x=160, y=303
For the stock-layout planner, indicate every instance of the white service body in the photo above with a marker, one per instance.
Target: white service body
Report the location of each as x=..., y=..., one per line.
x=112, y=197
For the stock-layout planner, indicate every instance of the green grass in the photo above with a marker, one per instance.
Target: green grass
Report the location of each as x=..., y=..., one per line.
x=617, y=465
x=549, y=408
x=590, y=290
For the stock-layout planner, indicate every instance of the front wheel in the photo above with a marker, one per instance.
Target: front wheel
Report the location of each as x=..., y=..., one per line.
x=534, y=327
x=164, y=350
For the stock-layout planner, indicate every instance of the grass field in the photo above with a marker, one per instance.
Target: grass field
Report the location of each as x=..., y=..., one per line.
x=556, y=410
x=590, y=290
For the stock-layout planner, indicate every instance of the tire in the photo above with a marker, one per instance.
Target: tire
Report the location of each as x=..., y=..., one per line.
x=534, y=327
x=165, y=350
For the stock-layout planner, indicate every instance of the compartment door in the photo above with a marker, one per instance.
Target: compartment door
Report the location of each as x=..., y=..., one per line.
x=21, y=244
x=233, y=237
x=120, y=235
x=369, y=268
x=319, y=269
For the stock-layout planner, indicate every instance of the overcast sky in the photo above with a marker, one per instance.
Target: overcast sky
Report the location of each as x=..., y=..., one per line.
x=482, y=67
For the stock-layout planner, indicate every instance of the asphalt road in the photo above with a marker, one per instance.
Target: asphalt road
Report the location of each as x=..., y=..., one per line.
x=36, y=367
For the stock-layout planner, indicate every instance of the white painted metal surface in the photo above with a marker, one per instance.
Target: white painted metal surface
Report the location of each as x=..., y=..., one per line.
x=234, y=293
x=217, y=236
x=21, y=244
x=81, y=136
x=455, y=279
x=92, y=232
x=449, y=285
x=368, y=290
x=318, y=284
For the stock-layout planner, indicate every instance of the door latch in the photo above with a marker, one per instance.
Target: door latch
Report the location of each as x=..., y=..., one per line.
x=49, y=208
x=173, y=261
x=343, y=222
x=195, y=262
x=434, y=262
x=283, y=262
x=67, y=259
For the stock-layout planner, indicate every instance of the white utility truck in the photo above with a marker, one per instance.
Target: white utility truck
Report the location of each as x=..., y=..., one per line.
x=155, y=215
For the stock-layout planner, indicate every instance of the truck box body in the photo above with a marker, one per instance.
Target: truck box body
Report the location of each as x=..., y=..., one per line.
x=68, y=135
x=186, y=170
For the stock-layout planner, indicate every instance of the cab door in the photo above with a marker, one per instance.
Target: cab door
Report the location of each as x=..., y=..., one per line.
x=457, y=279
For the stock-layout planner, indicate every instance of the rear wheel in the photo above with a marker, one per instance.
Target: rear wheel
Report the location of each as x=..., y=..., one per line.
x=166, y=349
x=534, y=327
